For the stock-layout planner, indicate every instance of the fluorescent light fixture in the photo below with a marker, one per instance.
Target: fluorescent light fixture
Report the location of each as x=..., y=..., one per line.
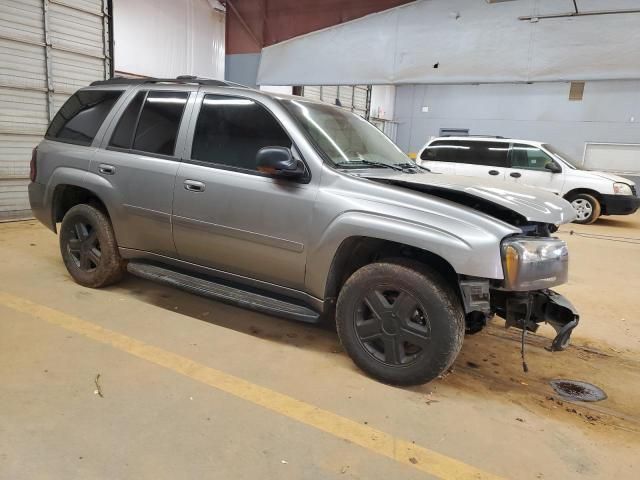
x=227, y=101
x=166, y=100
x=458, y=147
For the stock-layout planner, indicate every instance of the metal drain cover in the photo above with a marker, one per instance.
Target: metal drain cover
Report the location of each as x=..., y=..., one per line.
x=575, y=390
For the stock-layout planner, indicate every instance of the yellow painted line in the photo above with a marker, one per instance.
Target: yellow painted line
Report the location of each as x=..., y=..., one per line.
x=376, y=441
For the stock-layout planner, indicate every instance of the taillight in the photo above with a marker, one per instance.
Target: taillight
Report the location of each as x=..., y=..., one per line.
x=33, y=166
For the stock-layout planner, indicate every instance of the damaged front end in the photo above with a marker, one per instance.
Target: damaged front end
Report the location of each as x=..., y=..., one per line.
x=526, y=310
x=531, y=265
x=533, y=261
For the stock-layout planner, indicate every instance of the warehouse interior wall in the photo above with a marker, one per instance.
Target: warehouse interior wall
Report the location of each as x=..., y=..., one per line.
x=254, y=24
x=167, y=38
x=463, y=41
x=609, y=112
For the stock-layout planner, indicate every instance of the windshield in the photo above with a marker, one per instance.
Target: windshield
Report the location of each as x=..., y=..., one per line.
x=345, y=138
x=563, y=156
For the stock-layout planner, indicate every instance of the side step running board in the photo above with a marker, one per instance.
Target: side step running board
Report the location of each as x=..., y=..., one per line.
x=225, y=293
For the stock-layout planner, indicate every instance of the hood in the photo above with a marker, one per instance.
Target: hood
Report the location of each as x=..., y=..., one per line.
x=605, y=175
x=535, y=205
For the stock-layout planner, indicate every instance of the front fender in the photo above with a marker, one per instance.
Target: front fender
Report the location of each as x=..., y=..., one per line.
x=470, y=251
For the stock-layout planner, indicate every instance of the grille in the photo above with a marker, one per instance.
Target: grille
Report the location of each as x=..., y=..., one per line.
x=633, y=190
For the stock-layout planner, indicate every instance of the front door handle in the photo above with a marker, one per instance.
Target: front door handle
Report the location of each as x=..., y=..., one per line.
x=494, y=172
x=515, y=174
x=193, y=186
x=106, y=169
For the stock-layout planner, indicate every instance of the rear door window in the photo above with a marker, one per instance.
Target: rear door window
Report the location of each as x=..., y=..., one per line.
x=80, y=117
x=491, y=154
x=123, y=134
x=157, y=129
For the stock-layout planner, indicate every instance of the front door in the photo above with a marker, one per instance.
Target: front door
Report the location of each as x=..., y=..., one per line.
x=528, y=167
x=140, y=164
x=226, y=214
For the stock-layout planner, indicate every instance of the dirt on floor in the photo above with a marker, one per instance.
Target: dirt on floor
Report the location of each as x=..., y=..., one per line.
x=486, y=411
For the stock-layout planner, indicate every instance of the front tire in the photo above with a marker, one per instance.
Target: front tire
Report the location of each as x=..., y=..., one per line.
x=88, y=247
x=587, y=207
x=400, y=322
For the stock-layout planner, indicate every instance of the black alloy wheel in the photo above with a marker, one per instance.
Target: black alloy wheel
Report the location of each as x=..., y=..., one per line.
x=83, y=246
x=89, y=248
x=392, y=325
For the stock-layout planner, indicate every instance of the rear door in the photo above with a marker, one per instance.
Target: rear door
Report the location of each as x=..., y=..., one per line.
x=527, y=166
x=482, y=159
x=140, y=164
x=472, y=158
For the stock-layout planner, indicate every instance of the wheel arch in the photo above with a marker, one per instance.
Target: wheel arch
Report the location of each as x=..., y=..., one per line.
x=576, y=191
x=67, y=195
x=357, y=251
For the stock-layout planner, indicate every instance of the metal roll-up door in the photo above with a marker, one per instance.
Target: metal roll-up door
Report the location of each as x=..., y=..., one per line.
x=312, y=92
x=329, y=94
x=361, y=100
x=345, y=95
x=352, y=97
x=48, y=49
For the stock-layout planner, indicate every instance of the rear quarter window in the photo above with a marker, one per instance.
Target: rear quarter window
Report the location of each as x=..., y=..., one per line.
x=79, y=119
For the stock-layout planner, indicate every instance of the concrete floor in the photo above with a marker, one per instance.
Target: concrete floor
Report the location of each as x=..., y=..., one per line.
x=196, y=389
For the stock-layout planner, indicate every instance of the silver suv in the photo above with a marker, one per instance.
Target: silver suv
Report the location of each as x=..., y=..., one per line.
x=297, y=209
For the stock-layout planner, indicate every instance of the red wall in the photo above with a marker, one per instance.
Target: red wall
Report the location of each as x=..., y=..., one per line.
x=273, y=21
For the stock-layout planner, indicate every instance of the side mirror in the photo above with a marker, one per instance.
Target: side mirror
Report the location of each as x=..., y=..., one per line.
x=553, y=167
x=279, y=162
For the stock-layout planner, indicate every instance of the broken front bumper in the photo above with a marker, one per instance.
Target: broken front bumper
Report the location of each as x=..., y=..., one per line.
x=529, y=309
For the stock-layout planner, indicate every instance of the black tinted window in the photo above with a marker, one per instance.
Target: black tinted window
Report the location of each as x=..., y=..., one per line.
x=80, y=117
x=492, y=154
x=159, y=122
x=123, y=134
x=442, y=151
x=231, y=130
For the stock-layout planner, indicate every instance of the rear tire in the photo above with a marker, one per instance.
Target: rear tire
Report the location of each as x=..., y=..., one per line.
x=587, y=207
x=88, y=247
x=400, y=322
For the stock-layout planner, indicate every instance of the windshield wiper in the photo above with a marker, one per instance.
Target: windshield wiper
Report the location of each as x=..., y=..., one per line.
x=369, y=163
x=412, y=165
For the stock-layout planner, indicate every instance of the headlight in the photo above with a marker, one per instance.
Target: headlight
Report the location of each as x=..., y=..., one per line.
x=532, y=263
x=622, y=189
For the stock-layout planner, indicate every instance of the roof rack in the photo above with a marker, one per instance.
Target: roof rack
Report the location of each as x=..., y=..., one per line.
x=481, y=136
x=182, y=79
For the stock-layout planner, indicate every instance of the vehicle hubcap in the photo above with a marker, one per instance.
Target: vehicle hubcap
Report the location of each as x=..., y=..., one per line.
x=583, y=208
x=83, y=246
x=392, y=326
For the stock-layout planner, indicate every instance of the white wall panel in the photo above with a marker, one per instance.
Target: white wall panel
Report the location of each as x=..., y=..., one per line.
x=622, y=158
x=470, y=41
x=167, y=38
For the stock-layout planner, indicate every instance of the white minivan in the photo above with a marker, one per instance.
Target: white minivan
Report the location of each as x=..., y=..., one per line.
x=535, y=164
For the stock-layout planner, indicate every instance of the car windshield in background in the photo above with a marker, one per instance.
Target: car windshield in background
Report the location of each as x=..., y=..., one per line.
x=348, y=140
x=563, y=156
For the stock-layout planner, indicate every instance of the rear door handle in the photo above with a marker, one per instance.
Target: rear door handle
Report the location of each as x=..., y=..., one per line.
x=494, y=172
x=515, y=174
x=106, y=169
x=193, y=186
